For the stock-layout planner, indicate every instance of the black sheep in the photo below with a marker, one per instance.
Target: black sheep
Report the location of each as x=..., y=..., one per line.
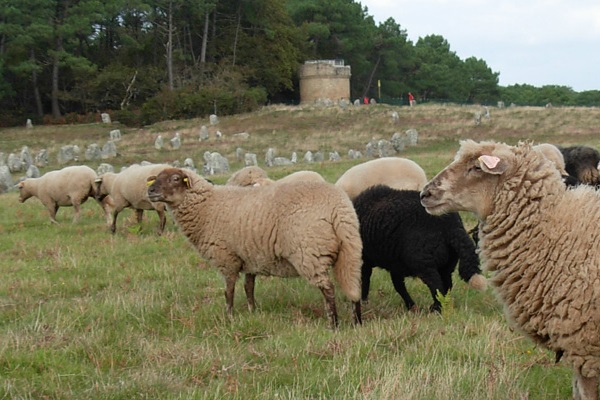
x=400, y=236
x=581, y=162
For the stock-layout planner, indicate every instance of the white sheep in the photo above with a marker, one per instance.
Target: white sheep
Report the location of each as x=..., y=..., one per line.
x=285, y=230
x=128, y=189
x=395, y=172
x=553, y=154
x=251, y=176
x=70, y=186
x=539, y=241
x=247, y=176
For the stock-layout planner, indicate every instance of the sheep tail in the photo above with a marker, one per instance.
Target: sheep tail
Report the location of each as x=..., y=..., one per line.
x=347, y=268
x=468, y=265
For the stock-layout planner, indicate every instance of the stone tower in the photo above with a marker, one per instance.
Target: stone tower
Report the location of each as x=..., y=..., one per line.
x=324, y=79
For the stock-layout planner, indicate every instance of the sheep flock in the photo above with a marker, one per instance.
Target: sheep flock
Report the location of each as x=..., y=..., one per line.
x=537, y=208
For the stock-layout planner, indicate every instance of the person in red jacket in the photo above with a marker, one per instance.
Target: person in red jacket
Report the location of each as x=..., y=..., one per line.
x=411, y=99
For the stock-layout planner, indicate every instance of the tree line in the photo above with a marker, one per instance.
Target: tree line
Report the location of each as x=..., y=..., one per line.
x=147, y=60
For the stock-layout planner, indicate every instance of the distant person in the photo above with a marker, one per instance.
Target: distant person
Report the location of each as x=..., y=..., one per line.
x=411, y=99
x=366, y=100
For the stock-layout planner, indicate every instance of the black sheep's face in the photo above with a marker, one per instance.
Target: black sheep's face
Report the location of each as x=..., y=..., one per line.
x=169, y=186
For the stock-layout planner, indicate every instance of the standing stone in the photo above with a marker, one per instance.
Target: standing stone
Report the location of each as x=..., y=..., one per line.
x=41, y=159
x=370, y=149
x=26, y=157
x=385, y=148
x=214, y=120
x=159, y=143
x=398, y=141
x=28, y=124
x=356, y=102
x=239, y=154
x=250, y=160
x=219, y=135
x=176, y=141
x=68, y=153
x=2, y=159
x=354, y=154
x=189, y=164
x=294, y=158
x=104, y=168
x=6, y=181
x=412, y=137
x=308, y=157
x=32, y=172
x=115, y=135
x=216, y=164
x=105, y=118
x=395, y=117
x=203, y=133
x=477, y=118
x=93, y=152
x=242, y=135
x=281, y=161
x=319, y=157
x=334, y=156
x=501, y=104
x=109, y=150
x=269, y=157
x=14, y=163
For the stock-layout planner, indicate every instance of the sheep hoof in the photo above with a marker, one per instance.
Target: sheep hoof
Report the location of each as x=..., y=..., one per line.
x=478, y=282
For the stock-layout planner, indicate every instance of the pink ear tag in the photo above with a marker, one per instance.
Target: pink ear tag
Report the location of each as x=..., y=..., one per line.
x=489, y=161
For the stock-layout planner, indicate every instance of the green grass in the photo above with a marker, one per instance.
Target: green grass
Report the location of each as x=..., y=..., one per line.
x=88, y=315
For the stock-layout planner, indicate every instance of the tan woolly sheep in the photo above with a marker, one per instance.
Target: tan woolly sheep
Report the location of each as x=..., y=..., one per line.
x=70, y=186
x=128, y=189
x=285, y=230
x=553, y=154
x=395, y=172
x=539, y=241
x=247, y=176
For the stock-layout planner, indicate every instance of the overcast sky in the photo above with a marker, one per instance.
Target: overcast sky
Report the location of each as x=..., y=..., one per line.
x=537, y=42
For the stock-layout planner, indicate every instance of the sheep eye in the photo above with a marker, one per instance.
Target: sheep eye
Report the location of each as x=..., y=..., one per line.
x=474, y=168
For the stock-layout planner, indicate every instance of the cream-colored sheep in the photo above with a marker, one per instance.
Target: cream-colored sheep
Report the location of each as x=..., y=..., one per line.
x=251, y=176
x=395, y=172
x=128, y=189
x=285, y=230
x=540, y=242
x=247, y=176
x=70, y=186
x=553, y=154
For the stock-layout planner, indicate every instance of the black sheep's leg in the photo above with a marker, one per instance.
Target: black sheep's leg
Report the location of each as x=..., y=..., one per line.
x=435, y=285
x=398, y=281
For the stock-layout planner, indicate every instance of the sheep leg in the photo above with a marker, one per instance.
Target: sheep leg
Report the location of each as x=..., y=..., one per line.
x=163, y=220
x=52, y=210
x=366, y=271
x=329, y=294
x=249, y=288
x=139, y=215
x=77, y=211
x=356, y=313
x=229, y=292
x=113, y=226
x=435, y=285
x=584, y=388
x=398, y=281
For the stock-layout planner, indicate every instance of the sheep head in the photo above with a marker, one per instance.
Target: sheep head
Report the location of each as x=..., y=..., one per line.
x=470, y=182
x=169, y=186
x=24, y=194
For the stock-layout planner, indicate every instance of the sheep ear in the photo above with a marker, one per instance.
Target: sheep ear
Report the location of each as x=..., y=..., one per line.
x=150, y=180
x=492, y=164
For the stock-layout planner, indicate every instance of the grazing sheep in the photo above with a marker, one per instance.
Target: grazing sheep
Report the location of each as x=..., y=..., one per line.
x=247, y=176
x=582, y=162
x=128, y=189
x=400, y=236
x=70, y=186
x=539, y=240
x=552, y=153
x=395, y=172
x=250, y=176
x=293, y=229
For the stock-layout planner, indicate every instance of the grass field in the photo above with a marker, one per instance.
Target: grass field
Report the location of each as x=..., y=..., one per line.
x=88, y=315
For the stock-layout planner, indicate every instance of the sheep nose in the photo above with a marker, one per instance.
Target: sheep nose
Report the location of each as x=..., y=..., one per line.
x=424, y=193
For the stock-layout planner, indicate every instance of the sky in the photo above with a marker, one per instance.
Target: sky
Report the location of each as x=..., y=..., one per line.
x=535, y=42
